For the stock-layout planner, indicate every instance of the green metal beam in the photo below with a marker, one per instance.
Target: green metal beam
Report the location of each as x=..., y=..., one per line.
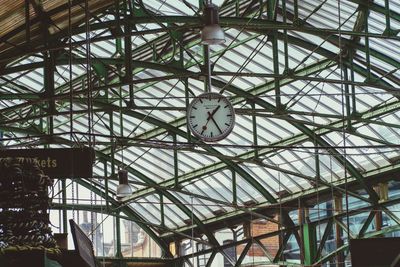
x=186, y=23
x=310, y=133
x=306, y=195
x=367, y=223
x=282, y=246
x=288, y=231
x=208, y=148
x=167, y=194
x=309, y=243
x=243, y=254
x=324, y=238
x=377, y=112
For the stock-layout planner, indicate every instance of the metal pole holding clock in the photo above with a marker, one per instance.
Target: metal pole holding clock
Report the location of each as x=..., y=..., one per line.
x=207, y=84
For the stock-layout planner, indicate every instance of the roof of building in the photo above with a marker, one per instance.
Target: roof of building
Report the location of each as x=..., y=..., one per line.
x=309, y=115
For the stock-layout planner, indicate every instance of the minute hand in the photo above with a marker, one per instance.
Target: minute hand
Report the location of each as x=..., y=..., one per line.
x=210, y=115
x=212, y=118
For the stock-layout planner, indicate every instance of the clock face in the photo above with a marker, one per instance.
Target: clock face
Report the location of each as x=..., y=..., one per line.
x=211, y=117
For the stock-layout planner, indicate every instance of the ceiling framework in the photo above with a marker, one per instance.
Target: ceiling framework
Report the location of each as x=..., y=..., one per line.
x=314, y=86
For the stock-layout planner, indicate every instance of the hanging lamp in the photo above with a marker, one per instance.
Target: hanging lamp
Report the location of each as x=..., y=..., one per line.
x=212, y=33
x=123, y=189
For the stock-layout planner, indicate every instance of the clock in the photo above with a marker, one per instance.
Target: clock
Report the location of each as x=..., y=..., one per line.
x=211, y=117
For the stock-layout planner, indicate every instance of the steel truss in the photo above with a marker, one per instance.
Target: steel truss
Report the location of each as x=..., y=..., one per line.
x=35, y=113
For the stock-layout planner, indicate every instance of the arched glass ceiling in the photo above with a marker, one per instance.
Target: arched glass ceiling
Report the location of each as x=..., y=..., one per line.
x=306, y=109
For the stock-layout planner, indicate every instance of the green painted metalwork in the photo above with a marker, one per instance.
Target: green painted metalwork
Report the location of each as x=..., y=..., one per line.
x=167, y=194
x=175, y=162
x=162, y=214
x=118, y=253
x=324, y=238
x=286, y=233
x=190, y=23
x=210, y=260
x=132, y=214
x=257, y=25
x=234, y=190
x=282, y=244
x=243, y=254
x=311, y=135
x=367, y=223
x=181, y=133
x=309, y=243
x=64, y=210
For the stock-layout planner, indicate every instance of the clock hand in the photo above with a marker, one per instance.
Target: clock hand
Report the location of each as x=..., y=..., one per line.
x=212, y=113
x=212, y=118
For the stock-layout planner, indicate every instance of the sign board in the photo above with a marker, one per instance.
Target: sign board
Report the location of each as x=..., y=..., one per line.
x=83, y=245
x=56, y=162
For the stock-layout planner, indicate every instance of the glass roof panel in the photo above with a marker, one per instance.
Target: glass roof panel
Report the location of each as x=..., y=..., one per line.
x=215, y=186
x=148, y=208
x=313, y=89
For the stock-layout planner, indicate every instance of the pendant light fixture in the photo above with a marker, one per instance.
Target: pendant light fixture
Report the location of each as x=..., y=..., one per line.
x=123, y=189
x=212, y=33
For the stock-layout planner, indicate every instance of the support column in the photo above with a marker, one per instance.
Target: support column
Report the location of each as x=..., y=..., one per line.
x=118, y=254
x=162, y=219
x=64, y=202
x=382, y=191
x=207, y=66
x=234, y=193
x=338, y=207
x=309, y=243
x=254, y=121
x=128, y=56
x=106, y=189
x=176, y=170
x=49, y=69
x=308, y=236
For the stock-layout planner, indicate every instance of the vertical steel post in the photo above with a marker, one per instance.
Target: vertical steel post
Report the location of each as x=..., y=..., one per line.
x=187, y=102
x=128, y=56
x=176, y=172
x=118, y=253
x=234, y=193
x=64, y=208
x=387, y=16
x=162, y=210
x=367, y=51
x=255, y=136
x=382, y=191
x=353, y=88
x=207, y=65
x=296, y=10
x=49, y=68
x=275, y=53
x=338, y=206
x=309, y=243
x=106, y=189
x=285, y=41
x=347, y=97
